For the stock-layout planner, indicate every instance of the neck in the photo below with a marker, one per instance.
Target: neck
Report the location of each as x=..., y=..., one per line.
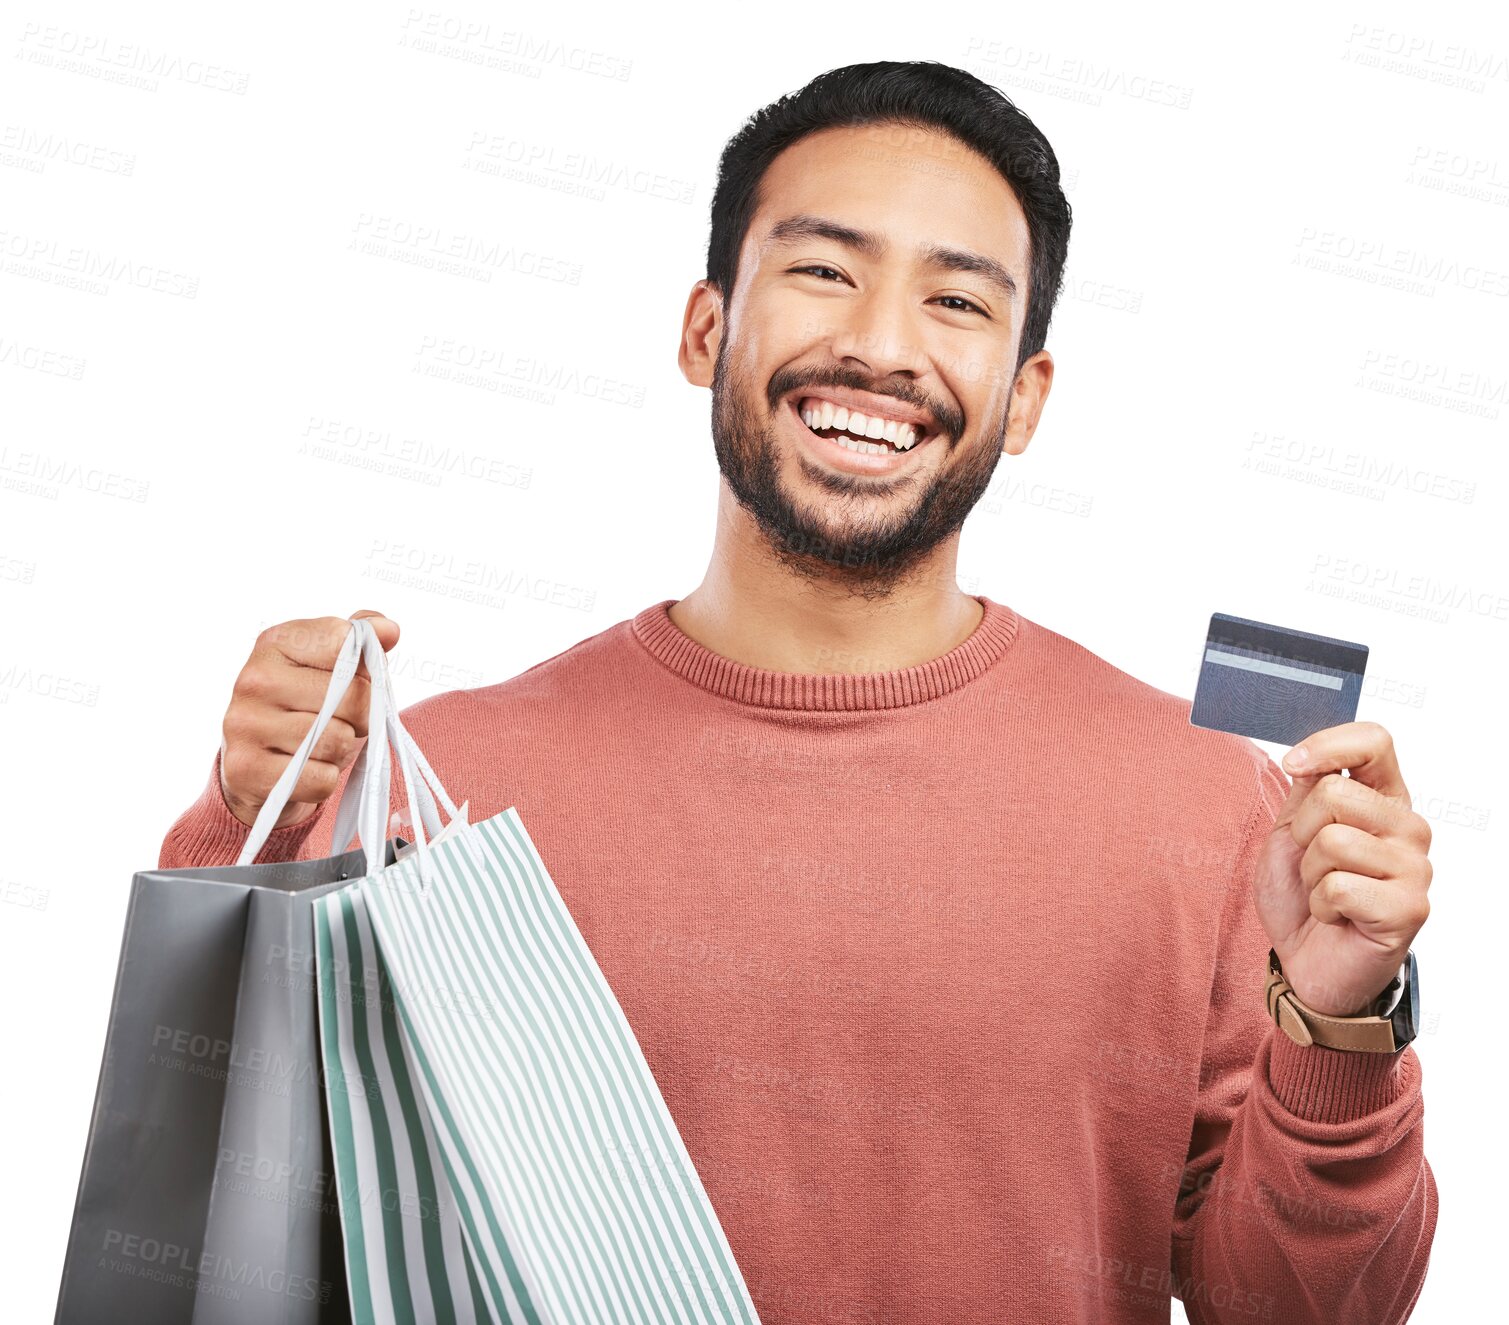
x=758, y=610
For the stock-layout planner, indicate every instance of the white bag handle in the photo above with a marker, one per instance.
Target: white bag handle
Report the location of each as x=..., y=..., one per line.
x=410, y=759
x=364, y=804
x=346, y=819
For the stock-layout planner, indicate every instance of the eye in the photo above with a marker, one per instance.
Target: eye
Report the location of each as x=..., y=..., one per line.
x=814, y=269
x=968, y=304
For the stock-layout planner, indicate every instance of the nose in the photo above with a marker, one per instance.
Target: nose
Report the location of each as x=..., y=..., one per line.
x=876, y=328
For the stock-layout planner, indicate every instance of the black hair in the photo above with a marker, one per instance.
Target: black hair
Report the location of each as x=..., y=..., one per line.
x=918, y=94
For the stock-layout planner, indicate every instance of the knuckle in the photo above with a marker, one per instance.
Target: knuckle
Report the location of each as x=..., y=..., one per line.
x=234, y=766
x=236, y=725
x=1332, y=786
x=336, y=748
x=323, y=778
x=254, y=682
x=280, y=634
x=1331, y=836
x=1417, y=914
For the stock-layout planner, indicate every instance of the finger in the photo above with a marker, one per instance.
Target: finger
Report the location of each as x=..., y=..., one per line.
x=1364, y=749
x=1335, y=799
x=1382, y=908
x=297, y=659
x=386, y=628
x=249, y=767
x=301, y=690
x=317, y=642
x=1343, y=847
x=283, y=733
x=309, y=642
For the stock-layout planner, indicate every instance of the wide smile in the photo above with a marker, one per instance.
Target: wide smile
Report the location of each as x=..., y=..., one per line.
x=838, y=456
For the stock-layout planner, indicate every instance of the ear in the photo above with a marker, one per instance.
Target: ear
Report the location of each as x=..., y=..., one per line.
x=1029, y=393
x=701, y=333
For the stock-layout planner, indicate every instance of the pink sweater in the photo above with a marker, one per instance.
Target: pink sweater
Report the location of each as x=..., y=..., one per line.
x=950, y=977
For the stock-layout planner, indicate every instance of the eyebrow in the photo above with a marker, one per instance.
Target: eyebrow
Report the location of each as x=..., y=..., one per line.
x=806, y=226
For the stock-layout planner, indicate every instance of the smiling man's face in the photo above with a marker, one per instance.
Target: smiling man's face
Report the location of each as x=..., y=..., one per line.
x=881, y=289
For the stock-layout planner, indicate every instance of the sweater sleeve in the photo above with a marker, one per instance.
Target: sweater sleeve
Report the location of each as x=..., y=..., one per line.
x=207, y=833
x=1306, y=1196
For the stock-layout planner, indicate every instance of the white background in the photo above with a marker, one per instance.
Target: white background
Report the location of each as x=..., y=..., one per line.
x=1231, y=353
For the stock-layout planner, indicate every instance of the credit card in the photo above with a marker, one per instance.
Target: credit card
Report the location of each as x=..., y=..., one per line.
x=1273, y=683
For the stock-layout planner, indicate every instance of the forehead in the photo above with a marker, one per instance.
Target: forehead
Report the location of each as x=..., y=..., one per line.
x=910, y=185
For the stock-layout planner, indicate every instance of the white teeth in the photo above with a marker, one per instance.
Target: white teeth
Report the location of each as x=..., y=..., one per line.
x=825, y=414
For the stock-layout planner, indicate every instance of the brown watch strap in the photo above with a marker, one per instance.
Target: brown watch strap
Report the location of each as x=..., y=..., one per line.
x=1305, y=1026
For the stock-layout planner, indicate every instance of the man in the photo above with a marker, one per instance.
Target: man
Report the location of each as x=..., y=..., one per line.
x=948, y=961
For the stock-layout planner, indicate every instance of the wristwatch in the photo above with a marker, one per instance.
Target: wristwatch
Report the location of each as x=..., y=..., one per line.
x=1392, y=1023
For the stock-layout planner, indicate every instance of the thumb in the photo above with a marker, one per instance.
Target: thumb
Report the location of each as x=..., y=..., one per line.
x=1301, y=785
x=386, y=630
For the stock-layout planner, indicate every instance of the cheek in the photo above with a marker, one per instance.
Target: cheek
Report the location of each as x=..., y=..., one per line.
x=777, y=326
x=991, y=409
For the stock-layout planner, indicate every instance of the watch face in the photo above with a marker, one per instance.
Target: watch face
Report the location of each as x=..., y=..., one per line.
x=1406, y=1014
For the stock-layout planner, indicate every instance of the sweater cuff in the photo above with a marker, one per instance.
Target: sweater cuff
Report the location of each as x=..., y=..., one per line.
x=208, y=834
x=1335, y=1085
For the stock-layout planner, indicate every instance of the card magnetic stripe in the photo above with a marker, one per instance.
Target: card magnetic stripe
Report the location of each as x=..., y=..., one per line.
x=1296, y=648
x=1248, y=663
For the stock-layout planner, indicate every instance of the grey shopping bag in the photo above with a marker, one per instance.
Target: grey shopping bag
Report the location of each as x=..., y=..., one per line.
x=208, y=1192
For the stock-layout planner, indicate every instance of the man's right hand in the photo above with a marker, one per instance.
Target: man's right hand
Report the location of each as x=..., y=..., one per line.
x=273, y=705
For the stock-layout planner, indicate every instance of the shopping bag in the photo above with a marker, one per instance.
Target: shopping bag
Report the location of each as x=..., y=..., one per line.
x=498, y=1078
x=207, y=1192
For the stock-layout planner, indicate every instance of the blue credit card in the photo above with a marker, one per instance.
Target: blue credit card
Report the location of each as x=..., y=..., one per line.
x=1275, y=684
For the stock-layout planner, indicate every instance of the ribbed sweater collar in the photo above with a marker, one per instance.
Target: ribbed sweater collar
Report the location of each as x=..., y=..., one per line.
x=763, y=688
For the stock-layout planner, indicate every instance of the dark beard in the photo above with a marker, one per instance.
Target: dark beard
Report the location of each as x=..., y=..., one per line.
x=870, y=555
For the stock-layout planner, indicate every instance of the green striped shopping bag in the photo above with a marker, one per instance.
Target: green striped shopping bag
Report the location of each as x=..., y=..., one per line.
x=502, y=1150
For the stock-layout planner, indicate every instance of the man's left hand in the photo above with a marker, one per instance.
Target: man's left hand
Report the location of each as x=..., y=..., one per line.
x=1341, y=881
